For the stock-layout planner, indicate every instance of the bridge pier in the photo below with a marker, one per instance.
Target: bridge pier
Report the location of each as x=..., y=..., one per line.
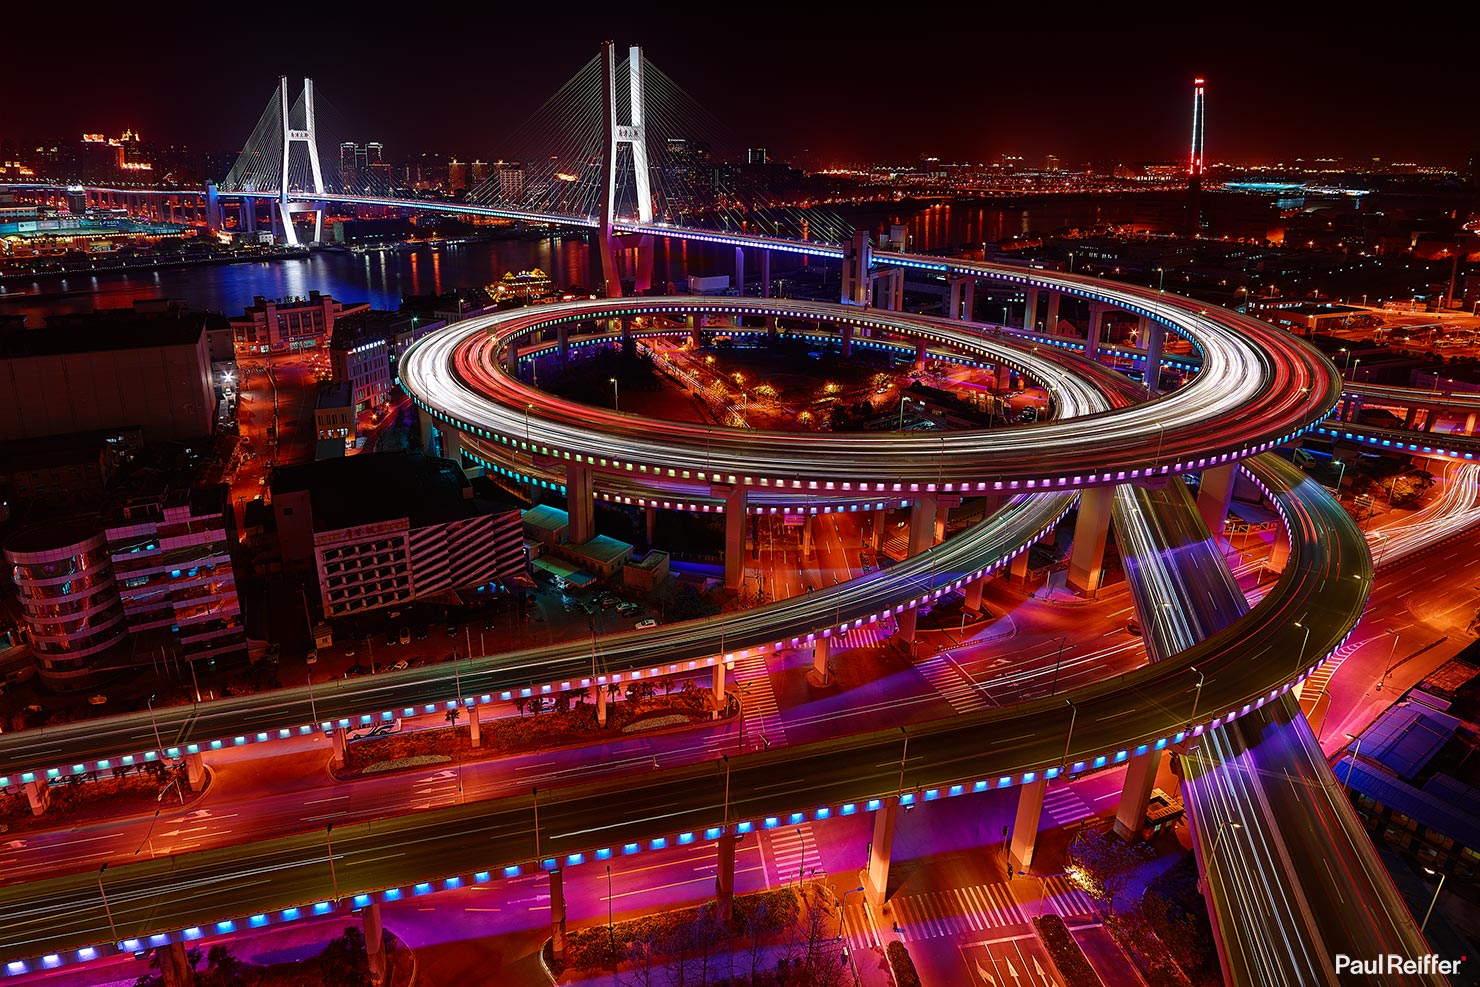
x=195, y=771
x=807, y=537
x=740, y=271
x=974, y=595
x=847, y=341
x=1431, y=419
x=1153, y=336
x=1470, y=423
x=821, y=651
x=1030, y=309
x=921, y=354
x=1004, y=378
x=1092, y=335
x=38, y=795
x=340, y=740
x=1091, y=529
x=1411, y=416
x=724, y=877
x=562, y=342
x=1135, y=795
x=451, y=444
x=374, y=942
x=922, y=536
x=766, y=285
x=1051, y=323
x=580, y=505
x=650, y=516
x=174, y=965
x=1025, y=824
x=734, y=533
x=1215, y=496
x=880, y=849
x=557, y=914
x=857, y=258
x=717, y=683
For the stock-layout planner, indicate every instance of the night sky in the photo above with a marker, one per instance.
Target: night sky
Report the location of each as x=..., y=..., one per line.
x=934, y=82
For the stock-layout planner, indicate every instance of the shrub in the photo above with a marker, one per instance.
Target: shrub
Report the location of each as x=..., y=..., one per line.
x=903, y=967
x=1067, y=957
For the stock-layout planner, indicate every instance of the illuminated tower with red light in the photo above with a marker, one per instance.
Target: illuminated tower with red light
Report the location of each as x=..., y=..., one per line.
x=1195, y=160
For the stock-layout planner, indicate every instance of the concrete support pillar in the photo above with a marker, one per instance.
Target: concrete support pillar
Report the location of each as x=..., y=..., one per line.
x=876, y=522
x=1154, y=336
x=857, y=258
x=974, y=595
x=1025, y=824
x=1470, y=423
x=562, y=341
x=1140, y=779
x=475, y=726
x=1410, y=417
x=740, y=271
x=724, y=877
x=1279, y=553
x=938, y=529
x=717, y=681
x=1092, y=335
x=557, y=914
x=1214, y=496
x=807, y=541
x=38, y=795
x=580, y=504
x=1004, y=378
x=1431, y=419
x=374, y=942
x=771, y=328
x=451, y=443
x=953, y=303
x=1091, y=529
x=174, y=966
x=341, y=746
x=906, y=622
x=880, y=849
x=766, y=283
x=1019, y=568
x=847, y=342
x=696, y=331
x=1030, y=310
x=821, y=652
x=922, y=522
x=921, y=354
x=734, y=534
x=195, y=771
x=601, y=694
x=1051, y=323
x=650, y=515
x=968, y=303
x=642, y=279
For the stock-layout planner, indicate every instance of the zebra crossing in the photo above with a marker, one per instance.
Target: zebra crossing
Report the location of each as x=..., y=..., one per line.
x=1064, y=897
x=947, y=680
x=955, y=911
x=762, y=722
x=867, y=636
x=794, y=851
x=1065, y=806
x=1311, y=688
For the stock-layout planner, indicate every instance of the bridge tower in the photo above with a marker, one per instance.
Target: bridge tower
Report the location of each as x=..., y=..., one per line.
x=309, y=137
x=634, y=135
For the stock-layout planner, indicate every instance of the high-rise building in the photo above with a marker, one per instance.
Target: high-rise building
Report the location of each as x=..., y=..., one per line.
x=348, y=171
x=459, y=175
x=755, y=156
x=510, y=180
x=1051, y=163
x=1195, y=160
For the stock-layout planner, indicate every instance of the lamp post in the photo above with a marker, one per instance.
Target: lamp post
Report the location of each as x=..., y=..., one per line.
x=1392, y=652
x=1192, y=721
x=1161, y=278
x=107, y=909
x=1054, y=687
x=158, y=744
x=616, y=404
x=902, y=754
x=1432, y=901
x=1352, y=763
x=1073, y=715
x=329, y=845
x=611, y=936
x=1300, y=659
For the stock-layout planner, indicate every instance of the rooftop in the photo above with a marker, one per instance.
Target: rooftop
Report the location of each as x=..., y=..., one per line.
x=1404, y=739
x=383, y=486
x=547, y=518
x=102, y=332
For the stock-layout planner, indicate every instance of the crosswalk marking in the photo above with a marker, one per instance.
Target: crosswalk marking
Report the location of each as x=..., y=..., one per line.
x=955, y=911
x=762, y=715
x=1066, y=898
x=794, y=848
x=1065, y=806
x=867, y=636
x=947, y=679
x=1311, y=688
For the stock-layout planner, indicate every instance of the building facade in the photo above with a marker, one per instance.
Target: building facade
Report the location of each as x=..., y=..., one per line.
x=289, y=325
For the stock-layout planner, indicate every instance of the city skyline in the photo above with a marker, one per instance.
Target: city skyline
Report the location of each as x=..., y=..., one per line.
x=958, y=88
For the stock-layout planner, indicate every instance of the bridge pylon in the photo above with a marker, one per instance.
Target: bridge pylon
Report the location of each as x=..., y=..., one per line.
x=308, y=136
x=633, y=134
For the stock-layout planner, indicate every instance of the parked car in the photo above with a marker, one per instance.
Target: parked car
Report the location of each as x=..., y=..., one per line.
x=628, y=610
x=405, y=635
x=648, y=624
x=607, y=601
x=422, y=632
x=400, y=666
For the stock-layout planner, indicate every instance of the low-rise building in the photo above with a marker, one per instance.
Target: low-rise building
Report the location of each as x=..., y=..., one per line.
x=334, y=414
x=289, y=325
x=385, y=529
x=366, y=348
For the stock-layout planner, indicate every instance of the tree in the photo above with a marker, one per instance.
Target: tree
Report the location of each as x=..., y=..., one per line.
x=223, y=969
x=519, y=704
x=1102, y=864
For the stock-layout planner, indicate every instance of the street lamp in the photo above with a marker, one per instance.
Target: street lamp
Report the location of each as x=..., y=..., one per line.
x=1192, y=721
x=616, y=405
x=1073, y=715
x=158, y=744
x=1392, y=652
x=1054, y=687
x=1432, y=901
x=107, y=909
x=1300, y=660
x=902, y=754
x=1352, y=763
x=1161, y=278
x=842, y=904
